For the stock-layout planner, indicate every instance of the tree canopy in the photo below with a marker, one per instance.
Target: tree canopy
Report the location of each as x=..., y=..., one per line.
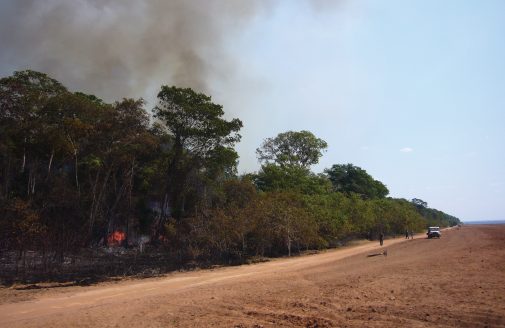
x=348, y=178
x=294, y=178
x=77, y=171
x=201, y=137
x=195, y=122
x=292, y=148
x=419, y=202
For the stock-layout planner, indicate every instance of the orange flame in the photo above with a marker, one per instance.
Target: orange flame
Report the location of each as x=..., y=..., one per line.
x=116, y=238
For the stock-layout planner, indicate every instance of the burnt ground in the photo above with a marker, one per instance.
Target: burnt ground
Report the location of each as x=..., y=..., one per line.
x=455, y=281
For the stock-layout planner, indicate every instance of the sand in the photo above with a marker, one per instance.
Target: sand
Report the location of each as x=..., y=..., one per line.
x=455, y=281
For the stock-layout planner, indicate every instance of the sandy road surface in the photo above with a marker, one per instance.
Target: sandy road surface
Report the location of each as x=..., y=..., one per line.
x=455, y=281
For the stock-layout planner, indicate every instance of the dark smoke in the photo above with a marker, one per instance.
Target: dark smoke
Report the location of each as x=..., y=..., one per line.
x=118, y=48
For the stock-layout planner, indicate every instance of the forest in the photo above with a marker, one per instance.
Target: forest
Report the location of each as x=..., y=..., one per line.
x=82, y=176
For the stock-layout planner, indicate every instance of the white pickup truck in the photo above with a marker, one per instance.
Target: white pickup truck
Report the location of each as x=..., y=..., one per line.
x=434, y=232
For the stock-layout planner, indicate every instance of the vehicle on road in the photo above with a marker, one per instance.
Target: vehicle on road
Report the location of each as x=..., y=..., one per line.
x=434, y=232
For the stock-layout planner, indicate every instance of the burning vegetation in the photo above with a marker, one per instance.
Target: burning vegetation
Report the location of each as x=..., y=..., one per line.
x=116, y=238
x=80, y=174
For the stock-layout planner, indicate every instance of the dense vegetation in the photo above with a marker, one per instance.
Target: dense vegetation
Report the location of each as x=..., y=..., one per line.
x=77, y=172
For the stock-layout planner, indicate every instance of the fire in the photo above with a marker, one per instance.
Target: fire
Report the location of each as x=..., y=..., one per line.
x=116, y=238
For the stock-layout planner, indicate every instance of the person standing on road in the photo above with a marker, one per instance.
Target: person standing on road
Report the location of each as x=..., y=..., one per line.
x=406, y=234
x=381, y=238
x=411, y=234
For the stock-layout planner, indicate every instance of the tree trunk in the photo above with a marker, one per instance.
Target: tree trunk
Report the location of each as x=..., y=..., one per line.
x=288, y=234
x=75, y=149
x=24, y=159
x=33, y=184
x=175, y=180
x=129, y=203
x=112, y=209
x=93, y=204
x=76, y=173
x=164, y=213
x=6, y=176
x=29, y=186
x=50, y=163
x=289, y=245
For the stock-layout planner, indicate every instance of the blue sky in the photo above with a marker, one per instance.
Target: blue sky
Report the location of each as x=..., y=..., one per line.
x=411, y=91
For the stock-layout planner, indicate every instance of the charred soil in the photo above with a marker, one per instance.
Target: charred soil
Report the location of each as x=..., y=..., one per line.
x=455, y=281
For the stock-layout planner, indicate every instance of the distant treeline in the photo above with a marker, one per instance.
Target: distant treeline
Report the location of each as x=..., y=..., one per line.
x=77, y=172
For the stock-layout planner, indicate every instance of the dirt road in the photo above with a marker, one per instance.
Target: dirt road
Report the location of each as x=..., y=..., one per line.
x=455, y=281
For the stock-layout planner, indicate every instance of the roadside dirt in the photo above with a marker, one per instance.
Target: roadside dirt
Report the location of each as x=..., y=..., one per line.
x=455, y=281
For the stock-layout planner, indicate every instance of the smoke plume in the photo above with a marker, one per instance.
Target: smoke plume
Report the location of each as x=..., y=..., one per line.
x=119, y=49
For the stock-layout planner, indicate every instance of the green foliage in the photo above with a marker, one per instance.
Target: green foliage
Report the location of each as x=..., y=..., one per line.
x=75, y=169
x=330, y=213
x=295, y=178
x=434, y=217
x=419, y=202
x=301, y=149
x=195, y=122
x=352, y=179
x=72, y=157
x=21, y=225
x=201, y=139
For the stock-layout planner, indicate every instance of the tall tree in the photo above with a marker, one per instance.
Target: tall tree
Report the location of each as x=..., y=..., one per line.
x=22, y=96
x=292, y=148
x=419, y=202
x=352, y=179
x=199, y=131
x=273, y=177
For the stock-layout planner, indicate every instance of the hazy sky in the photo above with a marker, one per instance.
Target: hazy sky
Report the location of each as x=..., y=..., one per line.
x=411, y=91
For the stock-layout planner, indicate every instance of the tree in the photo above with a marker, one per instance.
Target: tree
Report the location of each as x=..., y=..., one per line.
x=22, y=96
x=198, y=131
x=292, y=148
x=419, y=202
x=348, y=178
x=74, y=170
x=272, y=177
